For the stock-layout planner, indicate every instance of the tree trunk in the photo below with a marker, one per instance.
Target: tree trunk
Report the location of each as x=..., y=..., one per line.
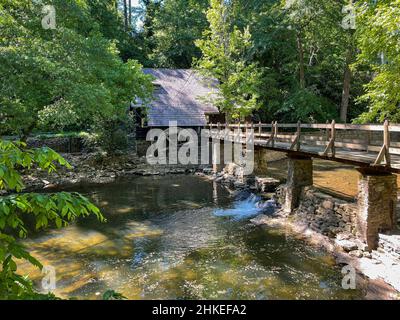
x=346, y=87
x=126, y=15
x=301, y=61
x=130, y=14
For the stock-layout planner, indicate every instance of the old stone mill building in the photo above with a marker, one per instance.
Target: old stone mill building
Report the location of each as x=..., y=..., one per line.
x=374, y=150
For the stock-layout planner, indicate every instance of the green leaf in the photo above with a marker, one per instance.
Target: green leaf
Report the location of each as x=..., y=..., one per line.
x=113, y=295
x=58, y=222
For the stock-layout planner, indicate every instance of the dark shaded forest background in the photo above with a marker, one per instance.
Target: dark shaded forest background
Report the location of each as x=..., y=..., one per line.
x=311, y=68
x=283, y=60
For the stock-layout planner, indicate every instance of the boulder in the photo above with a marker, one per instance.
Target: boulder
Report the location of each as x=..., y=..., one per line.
x=266, y=184
x=356, y=253
x=347, y=245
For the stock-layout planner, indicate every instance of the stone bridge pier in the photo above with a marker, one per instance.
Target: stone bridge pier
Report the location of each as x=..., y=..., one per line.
x=300, y=175
x=377, y=198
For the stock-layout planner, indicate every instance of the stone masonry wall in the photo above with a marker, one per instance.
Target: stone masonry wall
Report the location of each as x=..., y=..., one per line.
x=323, y=213
x=59, y=144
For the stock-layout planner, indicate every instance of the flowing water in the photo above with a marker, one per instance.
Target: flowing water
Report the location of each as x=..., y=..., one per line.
x=182, y=237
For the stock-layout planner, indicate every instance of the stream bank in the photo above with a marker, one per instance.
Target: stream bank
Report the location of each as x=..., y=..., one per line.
x=97, y=169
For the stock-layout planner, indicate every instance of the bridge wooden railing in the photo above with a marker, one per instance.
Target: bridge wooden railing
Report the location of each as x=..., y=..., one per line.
x=373, y=138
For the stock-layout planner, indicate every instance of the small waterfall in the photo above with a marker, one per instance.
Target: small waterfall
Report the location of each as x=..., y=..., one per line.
x=248, y=208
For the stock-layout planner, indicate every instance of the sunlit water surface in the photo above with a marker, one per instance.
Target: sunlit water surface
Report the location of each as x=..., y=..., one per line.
x=181, y=237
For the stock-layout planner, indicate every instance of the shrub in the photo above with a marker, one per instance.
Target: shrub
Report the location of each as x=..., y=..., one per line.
x=111, y=134
x=17, y=208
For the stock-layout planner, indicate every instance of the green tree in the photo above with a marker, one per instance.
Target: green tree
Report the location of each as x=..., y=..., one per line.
x=111, y=24
x=225, y=57
x=18, y=208
x=318, y=36
x=70, y=77
x=177, y=26
x=301, y=49
x=378, y=38
x=151, y=10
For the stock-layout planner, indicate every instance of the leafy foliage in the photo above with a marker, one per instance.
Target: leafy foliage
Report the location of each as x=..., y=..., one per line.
x=67, y=78
x=112, y=295
x=225, y=51
x=17, y=208
x=177, y=25
x=302, y=47
x=378, y=38
x=113, y=134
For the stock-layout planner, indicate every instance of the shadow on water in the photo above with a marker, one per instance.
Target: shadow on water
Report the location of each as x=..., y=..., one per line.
x=182, y=237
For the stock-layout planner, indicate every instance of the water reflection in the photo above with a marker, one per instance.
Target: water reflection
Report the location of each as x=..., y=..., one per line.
x=182, y=237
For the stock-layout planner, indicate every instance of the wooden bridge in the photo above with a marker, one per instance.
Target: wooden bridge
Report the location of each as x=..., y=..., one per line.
x=367, y=146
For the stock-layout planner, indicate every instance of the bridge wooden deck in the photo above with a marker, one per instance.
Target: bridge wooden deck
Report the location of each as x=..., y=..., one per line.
x=369, y=146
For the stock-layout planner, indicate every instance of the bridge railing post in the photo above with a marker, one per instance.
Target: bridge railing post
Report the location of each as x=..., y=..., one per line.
x=296, y=141
x=385, y=151
x=331, y=143
x=275, y=133
x=272, y=134
x=386, y=138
